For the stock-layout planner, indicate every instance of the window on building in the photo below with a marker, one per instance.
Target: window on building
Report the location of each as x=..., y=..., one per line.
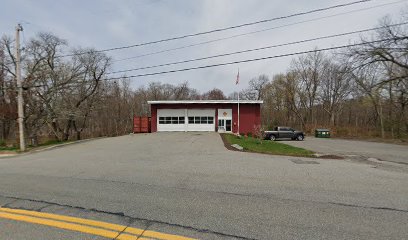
x=161, y=120
x=171, y=120
x=210, y=120
x=181, y=120
x=221, y=123
x=200, y=120
x=197, y=120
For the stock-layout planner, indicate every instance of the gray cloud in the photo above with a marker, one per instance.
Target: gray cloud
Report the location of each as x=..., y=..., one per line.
x=110, y=23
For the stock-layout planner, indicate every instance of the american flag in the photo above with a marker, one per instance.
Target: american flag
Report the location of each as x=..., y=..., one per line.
x=237, y=81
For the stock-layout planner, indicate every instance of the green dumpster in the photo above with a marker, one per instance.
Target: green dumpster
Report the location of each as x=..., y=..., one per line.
x=322, y=133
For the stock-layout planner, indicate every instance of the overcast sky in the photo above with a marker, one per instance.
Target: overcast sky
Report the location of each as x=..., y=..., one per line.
x=102, y=24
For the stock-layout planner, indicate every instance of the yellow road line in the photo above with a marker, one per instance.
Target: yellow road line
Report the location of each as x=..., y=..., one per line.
x=124, y=236
x=89, y=222
x=20, y=215
x=63, y=225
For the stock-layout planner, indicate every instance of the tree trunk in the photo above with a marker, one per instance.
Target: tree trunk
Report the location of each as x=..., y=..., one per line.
x=78, y=131
x=67, y=129
x=78, y=135
x=381, y=121
x=54, y=127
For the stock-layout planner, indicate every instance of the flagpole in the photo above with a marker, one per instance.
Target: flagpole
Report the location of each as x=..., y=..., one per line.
x=238, y=112
x=238, y=99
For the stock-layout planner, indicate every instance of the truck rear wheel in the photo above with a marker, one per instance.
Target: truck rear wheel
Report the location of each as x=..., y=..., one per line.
x=300, y=138
x=272, y=138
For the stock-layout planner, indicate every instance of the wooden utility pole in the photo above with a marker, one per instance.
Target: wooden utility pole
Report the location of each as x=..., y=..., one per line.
x=20, y=100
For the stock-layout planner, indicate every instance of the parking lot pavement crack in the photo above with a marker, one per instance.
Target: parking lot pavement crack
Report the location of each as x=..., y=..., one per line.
x=369, y=207
x=390, y=161
x=201, y=230
x=255, y=195
x=144, y=230
x=77, y=174
x=42, y=208
x=9, y=203
x=150, y=221
x=123, y=230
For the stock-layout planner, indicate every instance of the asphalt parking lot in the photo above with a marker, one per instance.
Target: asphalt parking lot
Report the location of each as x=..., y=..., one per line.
x=352, y=148
x=190, y=185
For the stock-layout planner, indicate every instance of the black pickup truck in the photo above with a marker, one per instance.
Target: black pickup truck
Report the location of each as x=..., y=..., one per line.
x=284, y=132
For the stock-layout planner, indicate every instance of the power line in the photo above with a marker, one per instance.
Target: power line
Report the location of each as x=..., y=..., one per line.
x=258, y=49
x=232, y=63
x=226, y=28
x=251, y=60
x=254, y=32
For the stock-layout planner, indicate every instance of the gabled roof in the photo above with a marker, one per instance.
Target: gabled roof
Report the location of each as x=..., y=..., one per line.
x=205, y=102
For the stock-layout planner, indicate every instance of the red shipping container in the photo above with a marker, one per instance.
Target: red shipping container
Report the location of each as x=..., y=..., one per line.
x=141, y=124
x=136, y=124
x=144, y=125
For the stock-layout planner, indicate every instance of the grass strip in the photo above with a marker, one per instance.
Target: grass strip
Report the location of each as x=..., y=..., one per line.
x=251, y=144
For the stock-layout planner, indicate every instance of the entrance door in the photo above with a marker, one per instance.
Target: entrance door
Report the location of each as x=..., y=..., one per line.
x=221, y=125
x=228, y=125
x=224, y=120
x=224, y=125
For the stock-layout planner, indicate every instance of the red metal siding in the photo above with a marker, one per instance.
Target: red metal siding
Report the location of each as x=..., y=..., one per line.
x=141, y=124
x=249, y=117
x=250, y=114
x=136, y=124
x=145, y=125
x=153, y=125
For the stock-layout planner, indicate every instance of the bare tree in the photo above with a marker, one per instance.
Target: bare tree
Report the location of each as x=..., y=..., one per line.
x=335, y=88
x=255, y=91
x=7, y=97
x=308, y=72
x=381, y=68
x=214, y=94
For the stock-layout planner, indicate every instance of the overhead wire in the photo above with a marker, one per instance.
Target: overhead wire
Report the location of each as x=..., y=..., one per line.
x=251, y=60
x=224, y=28
x=233, y=62
x=249, y=50
x=258, y=49
x=254, y=32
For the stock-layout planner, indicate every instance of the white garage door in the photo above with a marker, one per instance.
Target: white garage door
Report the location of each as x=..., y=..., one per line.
x=175, y=120
x=169, y=120
x=201, y=120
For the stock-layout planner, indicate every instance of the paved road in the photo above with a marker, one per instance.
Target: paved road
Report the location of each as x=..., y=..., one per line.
x=380, y=151
x=188, y=184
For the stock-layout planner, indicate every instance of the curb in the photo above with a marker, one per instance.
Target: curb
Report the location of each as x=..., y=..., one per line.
x=47, y=148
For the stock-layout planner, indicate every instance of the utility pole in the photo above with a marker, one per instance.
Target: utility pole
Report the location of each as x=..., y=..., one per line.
x=20, y=100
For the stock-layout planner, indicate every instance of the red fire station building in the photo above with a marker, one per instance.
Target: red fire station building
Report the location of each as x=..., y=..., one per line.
x=205, y=115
